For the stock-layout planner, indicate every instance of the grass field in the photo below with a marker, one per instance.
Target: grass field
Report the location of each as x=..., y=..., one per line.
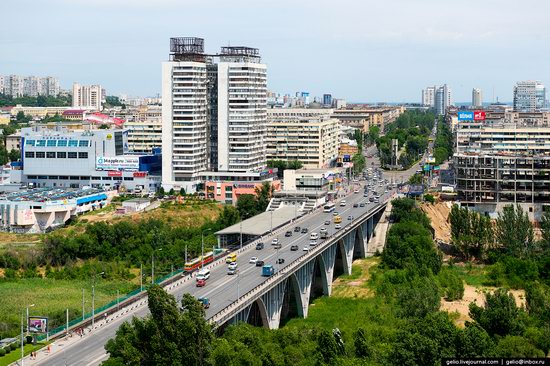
x=473, y=274
x=16, y=354
x=51, y=298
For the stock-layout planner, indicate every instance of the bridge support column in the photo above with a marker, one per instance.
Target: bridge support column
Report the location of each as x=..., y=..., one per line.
x=273, y=301
x=304, y=277
x=329, y=259
x=347, y=253
x=242, y=316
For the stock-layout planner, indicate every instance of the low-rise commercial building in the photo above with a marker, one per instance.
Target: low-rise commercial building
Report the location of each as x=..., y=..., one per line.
x=37, y=112
x=347, y=149
x=313, y=142
x=364, y=117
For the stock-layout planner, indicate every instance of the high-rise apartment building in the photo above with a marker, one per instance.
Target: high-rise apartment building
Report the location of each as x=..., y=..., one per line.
x=88, y=96
x=442, y=99
x=213, y=113
x=145, y=129
x=428, y=96
x=33, y=86
x=529, y=96
x=327, y=100
x=477, y=98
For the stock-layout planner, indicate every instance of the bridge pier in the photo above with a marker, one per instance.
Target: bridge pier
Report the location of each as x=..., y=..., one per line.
x=328, y=258
x=367, y=229
x=348, y=243
x=273, y=302
x=304, y=277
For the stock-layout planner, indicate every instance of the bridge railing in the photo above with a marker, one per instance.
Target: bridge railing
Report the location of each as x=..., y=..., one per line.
x=243, y=301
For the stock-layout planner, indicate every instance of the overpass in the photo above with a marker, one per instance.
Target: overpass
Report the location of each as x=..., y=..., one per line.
x=247, y=296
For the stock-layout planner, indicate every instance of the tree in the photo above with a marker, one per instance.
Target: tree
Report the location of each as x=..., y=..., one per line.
x=500, y=316
x=358, y=163
x=418, y=298
x=471, y=233
x=160, y=192
x=362, y=348
x=263, y=195
x=515, y=346
x=545, y=230
x=374, y=134
x=327, y=347
x=514, y=231
x=14, y=155
x=182, y=191
x=358, y=136
x=474, y=341
x=247, y=205
x=168, y=337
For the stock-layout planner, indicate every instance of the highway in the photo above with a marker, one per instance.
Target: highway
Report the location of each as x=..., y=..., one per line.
x=222, y=289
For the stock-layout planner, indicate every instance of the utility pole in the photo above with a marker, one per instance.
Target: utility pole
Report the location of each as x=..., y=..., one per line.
x=141, y=277
x=67, y=321
x=83, y=311
x=22, y=341
x=202, y=247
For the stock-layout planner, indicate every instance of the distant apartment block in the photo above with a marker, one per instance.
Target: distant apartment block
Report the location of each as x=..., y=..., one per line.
x=428, y=96
x=364, y=117
x=87, y=96
x=443, y=99
x=312, y=141
x=145, y=129
x=529, y=96
x=32, y=86
x=477, y=98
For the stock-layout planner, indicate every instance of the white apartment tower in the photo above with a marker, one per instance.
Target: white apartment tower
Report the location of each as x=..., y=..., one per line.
x=428, y=96
x=477, y=98
x=443, y=99
x=87, y=96
x=529, y=96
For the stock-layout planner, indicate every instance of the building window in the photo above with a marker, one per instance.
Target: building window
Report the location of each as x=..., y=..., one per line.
x=40, y=154
x=83, y=143
x=51, y=143
x=29, y=154
x=62, y=143
x=128, y=178
x=84, y=178
x=106, y=178
x=83, y=155
x=61, y=155
x=63, y=177
x=73, y=143
x=71, y=155
x=50, y=155
x=29, y=142
x=53, y=177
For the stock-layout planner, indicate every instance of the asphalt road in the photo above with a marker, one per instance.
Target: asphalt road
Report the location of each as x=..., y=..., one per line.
x=222, y=289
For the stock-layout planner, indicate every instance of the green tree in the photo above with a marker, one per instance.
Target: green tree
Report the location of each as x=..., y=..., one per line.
x=327, y=347
x=362, y=347
x=500, y=315
x=263, y=196
x=14, y=155
x=247, y=206
x=160, y=192
x=514, y=231
x=471, y=233
x=374, y=134
x=359, y=163
x=182, y=191
x=545, y=230
x=474, y=341
x=418, y=298
x=515, y=346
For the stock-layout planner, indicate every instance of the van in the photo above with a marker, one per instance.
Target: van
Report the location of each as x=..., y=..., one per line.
x=203, y=274
x=313, y=236
x=232, y=257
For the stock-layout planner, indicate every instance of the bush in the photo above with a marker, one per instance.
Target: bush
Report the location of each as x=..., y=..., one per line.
x=14, y=346
x=2, y=352
x=429, y=198
x=452, y=285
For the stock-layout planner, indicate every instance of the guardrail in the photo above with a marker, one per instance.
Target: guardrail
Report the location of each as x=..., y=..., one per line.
x=243, y=301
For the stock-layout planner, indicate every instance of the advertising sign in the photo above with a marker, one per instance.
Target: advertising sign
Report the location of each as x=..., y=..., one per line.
x=427, y=167
x=114, y=173
x=140, y=174
x=347, y=158
x=129, y=163
x=38, y=324
x=465, y=116
x=479, y=115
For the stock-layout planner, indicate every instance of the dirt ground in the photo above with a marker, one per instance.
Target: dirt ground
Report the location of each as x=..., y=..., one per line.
x=476, y=295
x=438, y=215
x=355, y=287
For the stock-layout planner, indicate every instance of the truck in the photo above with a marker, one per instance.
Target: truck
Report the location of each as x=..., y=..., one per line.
x=267, y=270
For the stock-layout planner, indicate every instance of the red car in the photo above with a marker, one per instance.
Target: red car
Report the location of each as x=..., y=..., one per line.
x=201, y=283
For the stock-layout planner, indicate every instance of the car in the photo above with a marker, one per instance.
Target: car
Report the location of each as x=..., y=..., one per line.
x=305, y=249
x=201, y=283
x=337, y=226
x=288, y=233
x=259, y=263
x=205, y=302
x=259, y=246
x=278, y=246
x=323, y=230
x=355, y=205
x=232, y=265
x=253, y=260
x=327, y=222
x=231, y=271
x=355, y=191
x=313, y=242
x=350, y=217
x=294, y=248
x=297, y=229
x=280, y=261
x=335, y=213
x=376, y=200
x=362, y=204
x=275, y=241
x=304, y=230
x=385, y=191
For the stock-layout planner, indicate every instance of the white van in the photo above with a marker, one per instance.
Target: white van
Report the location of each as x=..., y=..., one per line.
x=203, y=274
x=313, y=236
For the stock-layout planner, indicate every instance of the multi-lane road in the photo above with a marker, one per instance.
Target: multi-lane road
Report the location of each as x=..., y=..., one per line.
x=221, y=289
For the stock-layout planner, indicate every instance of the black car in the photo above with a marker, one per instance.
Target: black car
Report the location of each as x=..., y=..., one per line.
x=294, y=248
x=297, y=229
x=327, y=222
x=259, y=246
x=362, y=204
x=304, y=230
x=259, y=263
x=355, y=205
x=280, y=261
x=288, y=233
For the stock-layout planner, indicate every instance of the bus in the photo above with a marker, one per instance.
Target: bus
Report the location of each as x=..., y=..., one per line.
x=198, y=262
x=329, y=207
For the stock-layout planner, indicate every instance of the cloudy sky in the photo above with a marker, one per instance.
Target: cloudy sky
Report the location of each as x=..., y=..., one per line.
x=360, y=50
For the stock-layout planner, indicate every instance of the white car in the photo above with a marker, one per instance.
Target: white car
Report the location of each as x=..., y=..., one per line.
x=233, y=265
x=337, y=226
x=275, y=241
x=306, y=249
x=313, y=243
x=253, y=260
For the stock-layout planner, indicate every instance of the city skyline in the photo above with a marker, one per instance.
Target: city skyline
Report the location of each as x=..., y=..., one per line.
x=299, y=44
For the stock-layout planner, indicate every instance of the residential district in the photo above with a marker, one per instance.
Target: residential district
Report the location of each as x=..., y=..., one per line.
x=333, y=170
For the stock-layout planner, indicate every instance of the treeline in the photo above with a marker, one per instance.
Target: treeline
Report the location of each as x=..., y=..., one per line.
x=283, y=165
x=249, y=205
x=401, y=325
x=443, y=145
x=39, y=101
x=412, y=130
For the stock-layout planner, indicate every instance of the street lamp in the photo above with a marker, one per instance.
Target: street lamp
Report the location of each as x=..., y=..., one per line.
x=271, y=230
x=153, y=266
x=28, y=306
x=202, y=247
x=22, y=340
x=93, y=299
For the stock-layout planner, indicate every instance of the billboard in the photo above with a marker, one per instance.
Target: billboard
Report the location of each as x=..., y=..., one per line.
x=129, y=163
x=479, y=115
x=465, y=116
x=38, y=324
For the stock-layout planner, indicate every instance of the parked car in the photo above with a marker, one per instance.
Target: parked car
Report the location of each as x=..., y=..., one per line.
x=294, y=248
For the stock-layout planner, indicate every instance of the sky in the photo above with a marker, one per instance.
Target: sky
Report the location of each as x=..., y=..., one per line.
x=359, y=50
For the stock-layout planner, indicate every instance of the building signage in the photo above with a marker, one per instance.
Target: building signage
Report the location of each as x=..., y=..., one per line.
x=140, y=174
x=128, y=163
x=114, y=173
x=479, y=115
x=465, y=116
x=38, y=324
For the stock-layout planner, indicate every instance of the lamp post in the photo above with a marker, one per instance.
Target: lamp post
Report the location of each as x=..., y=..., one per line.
x=202, y=247
x=22, y=340
x=93, y=300
x=271, y=229
x=27, y=323
x=153, y=265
